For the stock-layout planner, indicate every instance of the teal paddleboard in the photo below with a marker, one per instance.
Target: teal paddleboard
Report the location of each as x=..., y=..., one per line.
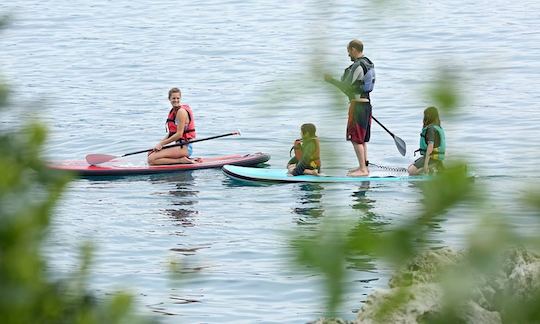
x=280, y=175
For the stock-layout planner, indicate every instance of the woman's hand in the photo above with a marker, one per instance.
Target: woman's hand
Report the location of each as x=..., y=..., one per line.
x=158, y=147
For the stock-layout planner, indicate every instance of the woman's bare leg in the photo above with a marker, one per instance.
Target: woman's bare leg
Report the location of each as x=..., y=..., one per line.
x=173, y=155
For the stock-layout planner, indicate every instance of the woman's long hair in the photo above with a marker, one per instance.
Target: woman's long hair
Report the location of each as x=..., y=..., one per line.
x=431, y=117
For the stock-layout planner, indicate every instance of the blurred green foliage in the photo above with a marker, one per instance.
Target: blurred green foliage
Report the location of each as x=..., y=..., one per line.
x=28, y=194
x=326, y=252
x=443, y=91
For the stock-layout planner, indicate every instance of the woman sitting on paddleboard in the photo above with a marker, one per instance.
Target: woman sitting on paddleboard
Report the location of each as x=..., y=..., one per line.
x=306, y=159
x=432, y=145
x=180, y=127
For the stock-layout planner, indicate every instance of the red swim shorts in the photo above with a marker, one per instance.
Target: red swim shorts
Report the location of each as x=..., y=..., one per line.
x=359, y=123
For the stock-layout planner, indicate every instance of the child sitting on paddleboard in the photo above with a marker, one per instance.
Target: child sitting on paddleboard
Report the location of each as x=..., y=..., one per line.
x=432, y=145
x=306, y=159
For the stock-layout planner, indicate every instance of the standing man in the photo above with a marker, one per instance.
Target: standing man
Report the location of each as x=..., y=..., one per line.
x=357, y=82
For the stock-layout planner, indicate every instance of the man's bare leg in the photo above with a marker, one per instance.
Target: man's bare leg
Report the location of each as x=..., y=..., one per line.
x=361, y=153
x=366, y=160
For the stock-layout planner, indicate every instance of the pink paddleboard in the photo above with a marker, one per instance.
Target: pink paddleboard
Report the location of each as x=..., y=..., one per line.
x=121, y=167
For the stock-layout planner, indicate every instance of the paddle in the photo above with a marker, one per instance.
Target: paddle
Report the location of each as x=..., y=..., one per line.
x=401, y=146
x=349, y=92
x=94, y=159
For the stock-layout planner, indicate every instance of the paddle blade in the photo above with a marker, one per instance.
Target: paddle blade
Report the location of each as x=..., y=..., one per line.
x=401, y=146
x=94, y=159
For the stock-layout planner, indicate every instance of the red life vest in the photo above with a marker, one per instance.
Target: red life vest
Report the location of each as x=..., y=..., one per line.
x=189, y=129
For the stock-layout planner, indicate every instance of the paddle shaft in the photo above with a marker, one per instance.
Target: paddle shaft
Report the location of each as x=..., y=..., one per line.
x=400, y=144
x=386, y=129
x=184, y=143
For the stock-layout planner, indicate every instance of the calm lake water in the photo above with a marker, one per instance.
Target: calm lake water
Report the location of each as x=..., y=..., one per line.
x=97, y=73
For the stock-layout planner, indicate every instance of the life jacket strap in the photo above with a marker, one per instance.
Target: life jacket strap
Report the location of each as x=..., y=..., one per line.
x=423, y=152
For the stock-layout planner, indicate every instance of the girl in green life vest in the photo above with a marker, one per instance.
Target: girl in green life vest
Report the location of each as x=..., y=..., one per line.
x=432, y=145
x=306, y=159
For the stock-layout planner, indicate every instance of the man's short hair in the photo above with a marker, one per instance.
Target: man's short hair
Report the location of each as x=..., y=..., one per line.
x=355, y=43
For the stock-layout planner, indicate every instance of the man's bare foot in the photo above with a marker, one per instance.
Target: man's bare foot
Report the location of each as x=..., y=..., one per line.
x=358, y=173
x=357, y=169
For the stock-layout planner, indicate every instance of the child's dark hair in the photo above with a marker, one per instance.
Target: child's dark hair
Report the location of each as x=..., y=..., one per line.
x=308, y=129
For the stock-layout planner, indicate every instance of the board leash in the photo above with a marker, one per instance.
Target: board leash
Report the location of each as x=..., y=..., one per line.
x=387, y=168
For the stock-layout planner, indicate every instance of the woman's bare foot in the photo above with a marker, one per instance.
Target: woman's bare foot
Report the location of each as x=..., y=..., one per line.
x=186, y=160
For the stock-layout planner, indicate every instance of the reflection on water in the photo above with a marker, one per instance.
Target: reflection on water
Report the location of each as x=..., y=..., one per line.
x=183, y=176
x=184, y=198
x=235, y=183
x=183, y=216
x=365, y=205
x=310, y=203
x=432, y=225
x=367, y=218
x=188, y=251
x=360, y=201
